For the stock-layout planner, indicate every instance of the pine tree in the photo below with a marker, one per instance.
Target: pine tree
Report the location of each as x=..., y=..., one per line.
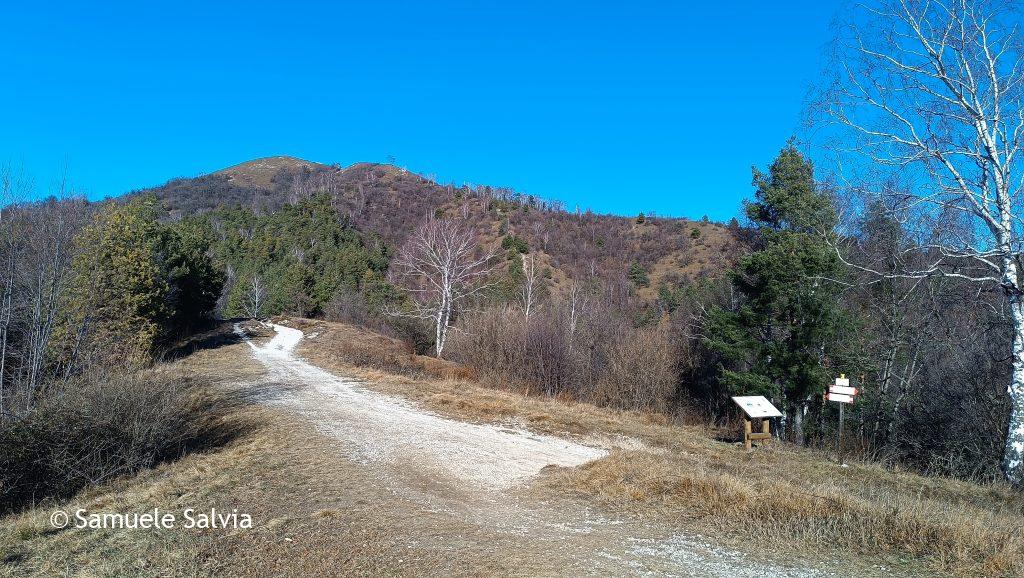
x=136, y=285
x=194, y=281
x=638, y=275
x=782, y=338
x=118, y=306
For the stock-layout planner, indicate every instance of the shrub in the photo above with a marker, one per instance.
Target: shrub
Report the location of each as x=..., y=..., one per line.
x=515, y=243
x=606, y=360
x=94, y=431
x=638, y=275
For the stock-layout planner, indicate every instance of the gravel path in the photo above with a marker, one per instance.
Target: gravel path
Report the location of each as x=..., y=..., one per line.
x=389, y=430
x=470, y=476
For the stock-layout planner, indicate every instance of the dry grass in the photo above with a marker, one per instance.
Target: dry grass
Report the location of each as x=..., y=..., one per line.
x=313, y=514
x=317, y=515
x=355, y=347
x=298, y=526
x=788, y=501
x=440, y=385
x=786, y=498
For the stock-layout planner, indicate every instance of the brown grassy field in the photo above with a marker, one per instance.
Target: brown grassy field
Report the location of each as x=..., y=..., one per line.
x=779, y=497
x=315, y=514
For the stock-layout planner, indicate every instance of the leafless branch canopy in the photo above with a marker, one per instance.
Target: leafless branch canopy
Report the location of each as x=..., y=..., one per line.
x=441, y=265
x=933, y=90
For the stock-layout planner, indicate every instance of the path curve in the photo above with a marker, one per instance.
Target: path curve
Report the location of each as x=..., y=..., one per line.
x=470, y=475
x=386, y=429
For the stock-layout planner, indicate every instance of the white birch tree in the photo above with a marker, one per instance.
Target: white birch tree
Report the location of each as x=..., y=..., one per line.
x=577, y=303
x=441, y=265
x=8, y=250
x=255, y=297
x=932, y=91
x=528, y=293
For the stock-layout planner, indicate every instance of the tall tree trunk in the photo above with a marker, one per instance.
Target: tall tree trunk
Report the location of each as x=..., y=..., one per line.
x=444, y=314
x=6, y=312
x=1013, y=455
x=798, y=424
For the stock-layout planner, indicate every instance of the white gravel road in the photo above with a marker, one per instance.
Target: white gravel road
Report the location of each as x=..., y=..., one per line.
x=386, y=429
x=473, y=473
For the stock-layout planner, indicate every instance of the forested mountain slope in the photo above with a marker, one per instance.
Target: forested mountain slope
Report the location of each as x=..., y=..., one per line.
x=389, y=202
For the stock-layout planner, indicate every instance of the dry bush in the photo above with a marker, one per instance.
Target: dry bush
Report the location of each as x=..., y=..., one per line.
x=641, y=371
x=606, y=360
x=330, y=343
x=97, y=429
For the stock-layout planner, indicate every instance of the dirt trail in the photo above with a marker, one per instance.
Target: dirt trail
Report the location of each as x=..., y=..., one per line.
x=471, y=480
x=389, y=430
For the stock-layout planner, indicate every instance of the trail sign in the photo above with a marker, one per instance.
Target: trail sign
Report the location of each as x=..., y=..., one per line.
x=840, y=397
x=841, y=390
x=842, y=394
x=756, y=407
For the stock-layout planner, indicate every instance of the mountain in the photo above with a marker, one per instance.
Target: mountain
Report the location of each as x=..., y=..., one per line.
x=261, y=173
x=389, y=202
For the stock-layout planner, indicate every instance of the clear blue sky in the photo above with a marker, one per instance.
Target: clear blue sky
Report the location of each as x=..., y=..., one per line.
x=620, y=107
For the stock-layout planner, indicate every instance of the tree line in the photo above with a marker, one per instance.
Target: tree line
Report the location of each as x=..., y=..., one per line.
x=91, y=295
x=93, y=286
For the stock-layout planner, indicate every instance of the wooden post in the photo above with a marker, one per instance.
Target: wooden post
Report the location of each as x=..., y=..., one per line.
x=839, y=450
x=746, y=434
x=765, y=423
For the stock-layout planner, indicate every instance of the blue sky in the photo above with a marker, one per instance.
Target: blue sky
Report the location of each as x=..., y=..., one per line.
x=619, y=107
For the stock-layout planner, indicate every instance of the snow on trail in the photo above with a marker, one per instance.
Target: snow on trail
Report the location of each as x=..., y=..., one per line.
x=389, y=430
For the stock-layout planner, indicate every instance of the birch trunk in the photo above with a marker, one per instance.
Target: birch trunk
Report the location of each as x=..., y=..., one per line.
x=1013, y=453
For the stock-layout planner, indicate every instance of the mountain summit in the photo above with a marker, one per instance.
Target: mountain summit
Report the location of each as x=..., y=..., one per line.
x=260, y=173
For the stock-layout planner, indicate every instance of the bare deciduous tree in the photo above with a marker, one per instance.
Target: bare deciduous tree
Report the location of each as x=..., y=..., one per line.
x=528, y=294
x=441, y=265
x=255, y=297
x=577, y=303
x=9, y=249
x=933, y=89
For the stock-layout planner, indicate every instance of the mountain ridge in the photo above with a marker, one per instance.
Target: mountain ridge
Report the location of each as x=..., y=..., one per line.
x=389, y=202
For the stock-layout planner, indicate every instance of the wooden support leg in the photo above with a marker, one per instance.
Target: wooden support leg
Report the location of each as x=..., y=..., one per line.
x=765, y=425
x=746, y=434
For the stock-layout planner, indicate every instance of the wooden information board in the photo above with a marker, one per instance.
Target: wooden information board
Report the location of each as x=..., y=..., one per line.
x=756, y=407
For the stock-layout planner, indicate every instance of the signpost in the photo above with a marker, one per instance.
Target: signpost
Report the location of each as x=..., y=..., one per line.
x=756, y=407
x=842, y=394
